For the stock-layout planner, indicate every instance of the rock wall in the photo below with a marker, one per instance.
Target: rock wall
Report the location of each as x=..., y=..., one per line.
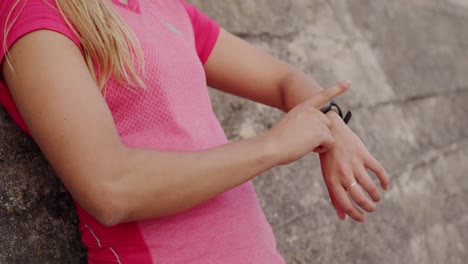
x=409, y=65
x=38, y=222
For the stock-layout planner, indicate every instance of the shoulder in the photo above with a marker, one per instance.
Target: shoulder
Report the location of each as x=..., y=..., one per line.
x=20, y=17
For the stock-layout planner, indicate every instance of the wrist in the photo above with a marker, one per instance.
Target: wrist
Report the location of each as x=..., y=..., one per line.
x=337, y=122
x=334, y=117
x=270, y=149
x=332, y=106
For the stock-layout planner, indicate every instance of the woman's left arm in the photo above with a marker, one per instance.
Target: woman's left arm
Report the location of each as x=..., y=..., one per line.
x=238, y=68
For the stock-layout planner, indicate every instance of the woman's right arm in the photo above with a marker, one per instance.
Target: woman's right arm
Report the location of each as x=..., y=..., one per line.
x=70, y=121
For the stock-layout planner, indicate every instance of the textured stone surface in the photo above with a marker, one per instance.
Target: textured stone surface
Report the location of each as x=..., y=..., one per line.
x=409, y=65
x=37, y=218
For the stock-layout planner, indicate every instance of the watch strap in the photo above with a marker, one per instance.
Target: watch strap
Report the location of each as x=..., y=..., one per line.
x=332, y=105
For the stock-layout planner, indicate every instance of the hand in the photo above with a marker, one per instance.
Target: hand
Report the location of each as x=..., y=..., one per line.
x=346, y=163
x=305, y=128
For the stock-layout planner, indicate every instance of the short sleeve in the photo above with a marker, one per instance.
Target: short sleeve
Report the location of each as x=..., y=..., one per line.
x=26, y=16
x=206, y=31
x=17, y=19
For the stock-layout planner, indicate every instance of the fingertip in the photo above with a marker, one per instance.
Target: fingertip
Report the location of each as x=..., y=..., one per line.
x=345, y=84
x=377, y=199
x=385, y=185
x=340, y=215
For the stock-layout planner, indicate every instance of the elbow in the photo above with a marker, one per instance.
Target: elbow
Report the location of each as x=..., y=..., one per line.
x=102, y=188
x=107, y=206
x=108, y=215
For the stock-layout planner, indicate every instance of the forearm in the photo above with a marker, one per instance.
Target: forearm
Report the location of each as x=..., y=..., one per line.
x=155, y=184
x=297, y=87
x=239, y=68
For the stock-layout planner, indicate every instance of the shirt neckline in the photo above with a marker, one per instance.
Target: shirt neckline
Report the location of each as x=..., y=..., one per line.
x=133, y=5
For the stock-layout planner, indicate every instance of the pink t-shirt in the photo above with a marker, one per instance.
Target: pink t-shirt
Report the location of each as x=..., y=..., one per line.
x=173, y=113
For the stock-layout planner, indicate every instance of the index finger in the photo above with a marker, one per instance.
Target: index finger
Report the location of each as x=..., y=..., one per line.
x=326, y=95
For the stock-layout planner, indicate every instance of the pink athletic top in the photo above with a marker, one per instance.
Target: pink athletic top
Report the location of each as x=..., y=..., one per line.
x=173, y=113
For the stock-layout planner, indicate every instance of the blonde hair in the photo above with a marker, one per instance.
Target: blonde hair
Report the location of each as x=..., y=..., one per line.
x=110, y=47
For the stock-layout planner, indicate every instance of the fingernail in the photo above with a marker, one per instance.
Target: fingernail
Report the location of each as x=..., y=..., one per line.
x=346, y=83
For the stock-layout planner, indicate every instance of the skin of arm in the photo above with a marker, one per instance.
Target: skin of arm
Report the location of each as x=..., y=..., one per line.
x=70, y=121
x=239, y=68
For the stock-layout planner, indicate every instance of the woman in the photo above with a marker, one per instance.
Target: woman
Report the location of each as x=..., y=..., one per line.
x=115, y=94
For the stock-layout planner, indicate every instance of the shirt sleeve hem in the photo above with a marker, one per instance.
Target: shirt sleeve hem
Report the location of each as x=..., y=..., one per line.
x=213, y=37
x=42, y=24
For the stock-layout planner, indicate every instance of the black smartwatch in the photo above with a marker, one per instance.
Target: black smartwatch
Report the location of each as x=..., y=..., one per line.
x=331, y=105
